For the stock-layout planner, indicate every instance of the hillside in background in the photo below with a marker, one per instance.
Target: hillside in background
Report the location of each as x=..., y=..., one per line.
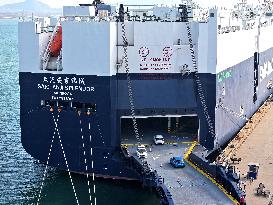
x=27, y=7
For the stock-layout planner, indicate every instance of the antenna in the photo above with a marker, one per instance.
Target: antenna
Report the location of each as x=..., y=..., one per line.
x=96, y=2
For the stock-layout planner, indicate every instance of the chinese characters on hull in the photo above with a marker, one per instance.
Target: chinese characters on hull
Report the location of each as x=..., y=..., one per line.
x=64, y=87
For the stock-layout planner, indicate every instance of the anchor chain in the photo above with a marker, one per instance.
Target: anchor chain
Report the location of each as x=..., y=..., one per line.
x=48, y=158
x=66, y=163
x=199, y=83
x=237, y=115
x=56, y=131
x=129, y=82
x=99, y=130
x=201, y=92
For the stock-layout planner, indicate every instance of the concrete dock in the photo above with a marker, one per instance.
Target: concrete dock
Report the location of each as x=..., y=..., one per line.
x=258, y=148
x=254, y=144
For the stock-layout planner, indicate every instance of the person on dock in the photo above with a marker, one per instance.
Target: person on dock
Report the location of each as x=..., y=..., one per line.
x=242, y=200
x=150, y=148
x=244, y=185
x=239, y=174
x=251, y=180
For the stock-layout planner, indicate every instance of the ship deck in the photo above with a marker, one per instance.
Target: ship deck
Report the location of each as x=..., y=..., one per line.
x=186, y=185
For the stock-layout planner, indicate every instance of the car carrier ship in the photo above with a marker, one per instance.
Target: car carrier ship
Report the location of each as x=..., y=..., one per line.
x=82, y=74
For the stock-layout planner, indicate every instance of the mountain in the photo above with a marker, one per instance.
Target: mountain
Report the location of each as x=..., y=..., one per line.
x=28, y=7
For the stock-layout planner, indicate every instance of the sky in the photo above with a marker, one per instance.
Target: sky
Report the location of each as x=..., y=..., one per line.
x=60, y=3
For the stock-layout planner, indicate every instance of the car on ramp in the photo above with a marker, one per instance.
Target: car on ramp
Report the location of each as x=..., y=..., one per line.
x=141, y=152
x=177, y=162
x=159, y=139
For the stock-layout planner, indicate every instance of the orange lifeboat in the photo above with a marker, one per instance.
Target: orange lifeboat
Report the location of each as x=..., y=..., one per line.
x=56, y=45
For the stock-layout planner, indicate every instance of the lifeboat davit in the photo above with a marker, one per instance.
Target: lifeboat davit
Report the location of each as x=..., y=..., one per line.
x=56, y=45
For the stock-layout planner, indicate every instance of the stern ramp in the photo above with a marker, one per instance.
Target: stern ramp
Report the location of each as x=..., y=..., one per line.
x=185, y=186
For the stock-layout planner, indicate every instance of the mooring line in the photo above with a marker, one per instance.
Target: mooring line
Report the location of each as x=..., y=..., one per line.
x=89, y=126
x=100, y=132
x=102, y=139
x=67, y=166
x=48, y=158
x=85, y=160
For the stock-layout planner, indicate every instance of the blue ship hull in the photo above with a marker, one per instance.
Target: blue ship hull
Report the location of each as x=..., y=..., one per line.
x=240, y=90
x=154, y=94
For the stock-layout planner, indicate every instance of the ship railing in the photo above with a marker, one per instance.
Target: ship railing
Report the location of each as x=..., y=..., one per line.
x=46, y=55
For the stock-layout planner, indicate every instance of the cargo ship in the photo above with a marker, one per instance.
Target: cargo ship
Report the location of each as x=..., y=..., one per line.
x=98, y=68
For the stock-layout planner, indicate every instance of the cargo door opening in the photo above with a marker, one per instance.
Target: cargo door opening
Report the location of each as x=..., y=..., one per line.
x=174, y=129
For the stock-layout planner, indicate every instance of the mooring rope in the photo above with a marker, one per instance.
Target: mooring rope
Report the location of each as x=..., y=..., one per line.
x=48, y=158
x=66, y=163
x=85, y=162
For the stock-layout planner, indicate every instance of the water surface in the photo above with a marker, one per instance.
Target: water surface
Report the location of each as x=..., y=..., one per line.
x=20, y=175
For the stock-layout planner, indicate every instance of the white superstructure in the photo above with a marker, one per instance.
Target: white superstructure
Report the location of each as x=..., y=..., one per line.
x=158, y=41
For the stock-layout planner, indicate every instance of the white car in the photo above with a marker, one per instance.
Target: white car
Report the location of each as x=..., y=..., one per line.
x=141, y=152
x=159, y=139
